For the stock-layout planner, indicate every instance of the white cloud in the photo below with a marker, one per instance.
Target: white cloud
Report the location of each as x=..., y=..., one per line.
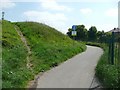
x=57, y=20
x=5, y=4
x=53, y=5
x=112, y=12
x=69, y=1
x=86, y=11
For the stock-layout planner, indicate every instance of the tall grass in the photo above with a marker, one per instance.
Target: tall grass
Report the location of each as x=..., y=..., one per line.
x=109, y=75
x=14, y=72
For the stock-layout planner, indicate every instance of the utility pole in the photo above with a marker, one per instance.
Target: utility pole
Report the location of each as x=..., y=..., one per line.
x=3, y=13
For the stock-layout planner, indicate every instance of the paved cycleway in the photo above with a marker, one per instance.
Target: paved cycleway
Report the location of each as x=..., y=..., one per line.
x=77, y=72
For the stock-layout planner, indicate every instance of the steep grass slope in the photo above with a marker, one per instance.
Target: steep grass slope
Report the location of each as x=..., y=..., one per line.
x=48, y=46
x=14, y=72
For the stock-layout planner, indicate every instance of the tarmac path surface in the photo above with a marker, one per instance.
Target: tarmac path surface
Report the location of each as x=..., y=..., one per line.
x=77, y=72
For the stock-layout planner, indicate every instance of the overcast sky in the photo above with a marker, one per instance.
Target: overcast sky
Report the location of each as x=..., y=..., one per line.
x=62, y=14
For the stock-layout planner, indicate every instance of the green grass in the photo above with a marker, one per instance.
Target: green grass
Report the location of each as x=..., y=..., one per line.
x=49, y=48
x=109, y=75
x=13, y=58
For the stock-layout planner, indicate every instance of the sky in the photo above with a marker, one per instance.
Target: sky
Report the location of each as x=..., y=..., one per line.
x=62, y=14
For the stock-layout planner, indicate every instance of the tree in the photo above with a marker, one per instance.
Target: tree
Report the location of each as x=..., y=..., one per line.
x=92, y=33
x=69, y=33
x=101, y=36
x=81, y=32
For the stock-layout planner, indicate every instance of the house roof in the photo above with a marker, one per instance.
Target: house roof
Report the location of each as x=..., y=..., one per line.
x=115, y=30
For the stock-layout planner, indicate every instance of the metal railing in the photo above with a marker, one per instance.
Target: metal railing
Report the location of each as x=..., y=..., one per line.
x=114, y=49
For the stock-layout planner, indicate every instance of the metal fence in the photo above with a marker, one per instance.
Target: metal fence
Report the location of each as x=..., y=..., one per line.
x=114, y=49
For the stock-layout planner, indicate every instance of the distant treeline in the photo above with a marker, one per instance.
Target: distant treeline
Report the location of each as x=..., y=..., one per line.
x=89, y=35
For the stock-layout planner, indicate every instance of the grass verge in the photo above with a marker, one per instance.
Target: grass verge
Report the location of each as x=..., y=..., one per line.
x=109, y=75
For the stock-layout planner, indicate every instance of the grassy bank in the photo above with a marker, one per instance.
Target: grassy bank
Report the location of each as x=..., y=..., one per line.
x=14, y=72
x=48, y=46
x=108, y=74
